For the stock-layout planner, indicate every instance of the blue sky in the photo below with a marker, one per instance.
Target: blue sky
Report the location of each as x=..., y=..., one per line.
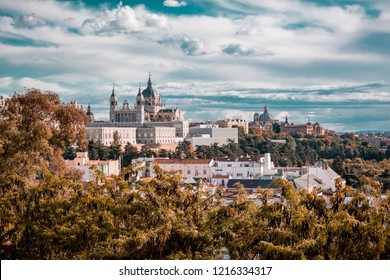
x=214, y=59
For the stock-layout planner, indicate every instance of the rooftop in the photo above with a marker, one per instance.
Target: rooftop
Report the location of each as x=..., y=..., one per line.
x=182, y=161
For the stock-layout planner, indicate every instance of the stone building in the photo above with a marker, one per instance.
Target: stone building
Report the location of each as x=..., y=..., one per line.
x=305, y=129
x=90, y=115
x=104, y=133
x=147, y=108
x=263, y=121
x=156, y=135
x=147, y=122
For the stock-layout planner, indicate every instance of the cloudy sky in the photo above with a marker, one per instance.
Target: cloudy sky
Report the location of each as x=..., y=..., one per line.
x=329, y=59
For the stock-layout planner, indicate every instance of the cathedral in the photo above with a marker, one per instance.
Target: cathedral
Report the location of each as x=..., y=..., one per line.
x=264, y=121
x=147, y=108
x=147, y=122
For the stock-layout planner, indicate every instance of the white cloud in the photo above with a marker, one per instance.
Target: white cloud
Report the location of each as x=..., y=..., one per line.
x=62, y=13
x=29, y=21
x=174, y=3
x=6, y=82
x=42, y=85
x=239, y=50
x=124, y=19
x=122, y=44
x=189, y=46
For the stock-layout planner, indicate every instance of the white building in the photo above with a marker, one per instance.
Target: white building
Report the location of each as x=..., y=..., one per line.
x=209, y=134
x=320, y=176
x=238, y=168
x=157, y=135
x=83, y=163
x=269, y=168
x=104, y=133
x=309, y=182
x=195, y=168
x=147, y=122
x=144, y=166
x=221, y=180
x=3, y=100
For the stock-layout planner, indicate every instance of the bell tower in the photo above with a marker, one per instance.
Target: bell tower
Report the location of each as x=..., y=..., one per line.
x=113, y=105
x=140, y=107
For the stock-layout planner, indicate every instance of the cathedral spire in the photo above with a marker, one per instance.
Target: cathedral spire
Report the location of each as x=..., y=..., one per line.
x=113, y=90
x=265, y=109
x=150, y=81
x=90, y=116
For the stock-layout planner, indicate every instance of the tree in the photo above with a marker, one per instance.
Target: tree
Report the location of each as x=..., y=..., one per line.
x=184, y=150
x=70, y=153
x=146, y=152
x=35, y=128
x=115, y=149
x=130, y=152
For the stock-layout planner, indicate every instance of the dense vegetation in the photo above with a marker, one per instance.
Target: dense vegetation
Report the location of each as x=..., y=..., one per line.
x=45, y=213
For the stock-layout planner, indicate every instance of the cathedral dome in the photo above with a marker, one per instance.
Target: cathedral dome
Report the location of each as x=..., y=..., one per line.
x=149, y=91
x=266, y=117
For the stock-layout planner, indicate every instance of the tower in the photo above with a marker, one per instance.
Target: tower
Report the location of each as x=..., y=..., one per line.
x=140, y=98
x=113, y=105
x=265, y=109
x=140, y=107
x=90, y=115
x=151, y=99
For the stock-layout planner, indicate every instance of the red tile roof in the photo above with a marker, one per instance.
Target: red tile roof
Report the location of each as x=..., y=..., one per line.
x=220, y=176
x=182, y=161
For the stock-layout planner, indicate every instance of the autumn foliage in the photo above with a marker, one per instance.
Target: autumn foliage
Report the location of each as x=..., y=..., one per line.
x=52, y=216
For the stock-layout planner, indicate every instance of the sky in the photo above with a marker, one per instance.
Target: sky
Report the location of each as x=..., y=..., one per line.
x=327, y=60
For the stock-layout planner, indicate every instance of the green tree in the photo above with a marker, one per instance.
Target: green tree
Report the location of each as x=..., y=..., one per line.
x=115, y=149
x=130, y=152
x=184, y=150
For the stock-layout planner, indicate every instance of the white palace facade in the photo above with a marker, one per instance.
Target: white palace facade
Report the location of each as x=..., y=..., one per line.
x=147, y=122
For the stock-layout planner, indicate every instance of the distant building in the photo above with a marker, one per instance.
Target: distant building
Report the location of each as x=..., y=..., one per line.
x=195, y=168
x=104, y=133
x=145, y=166
x=238, y=168
x=208, y=134
x=220, y=180
x=156, y=135
x=219, y=171
x=83, y=163
x=264, y=121
x=147, y=108
x=90, y=115
x=305, y=129
x=3, y=100
x=147, y=122
x=310, y=182
x=229, y=123
x=279, y=141
x=320, y=176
